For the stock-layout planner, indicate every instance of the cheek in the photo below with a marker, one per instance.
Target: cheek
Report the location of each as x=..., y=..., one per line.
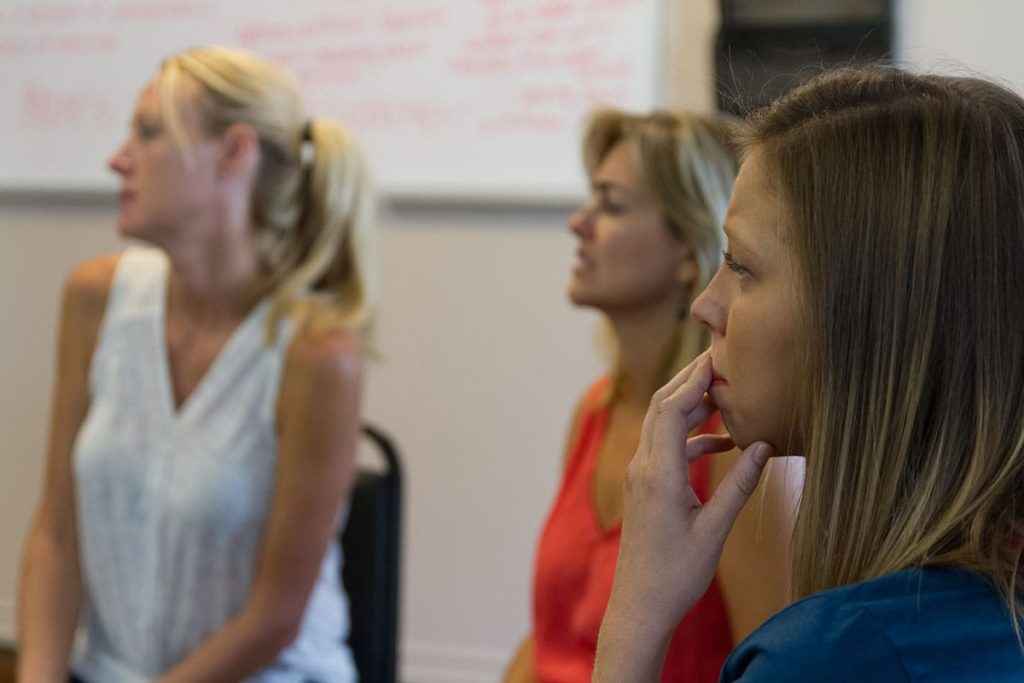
x=182, y=189
x=762, y=364
x=646, y=259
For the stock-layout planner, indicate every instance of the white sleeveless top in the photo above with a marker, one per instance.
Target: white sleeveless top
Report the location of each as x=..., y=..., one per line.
x=172, y=505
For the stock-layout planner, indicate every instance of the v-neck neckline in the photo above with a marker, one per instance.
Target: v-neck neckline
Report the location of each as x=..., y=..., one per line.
x=226, y=357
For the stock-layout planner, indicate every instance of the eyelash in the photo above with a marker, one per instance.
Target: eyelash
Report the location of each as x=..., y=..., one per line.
x=610, y=207
x=733, y=265
x=146, y=131
x=599, y=203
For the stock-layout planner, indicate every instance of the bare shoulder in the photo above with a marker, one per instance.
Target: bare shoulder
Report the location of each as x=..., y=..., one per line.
x=321, y=384
x=83, y=307
x=88, y=285
x=84, y=303
x=336, y=353
x=322, y=368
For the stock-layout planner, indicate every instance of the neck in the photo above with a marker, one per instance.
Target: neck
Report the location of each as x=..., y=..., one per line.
x=215, y=273
x=643, y=337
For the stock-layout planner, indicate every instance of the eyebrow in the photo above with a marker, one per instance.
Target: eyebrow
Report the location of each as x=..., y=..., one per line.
x=146, y=117
x=735, y=242
x=608, y=185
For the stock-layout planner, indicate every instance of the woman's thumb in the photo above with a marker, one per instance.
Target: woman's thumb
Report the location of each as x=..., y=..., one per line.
x=737, y=487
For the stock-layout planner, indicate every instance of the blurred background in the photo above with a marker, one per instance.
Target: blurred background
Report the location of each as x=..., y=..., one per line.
x=470, y=112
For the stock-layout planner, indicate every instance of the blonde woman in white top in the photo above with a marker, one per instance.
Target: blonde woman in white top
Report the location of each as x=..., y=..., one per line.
x=206, y=406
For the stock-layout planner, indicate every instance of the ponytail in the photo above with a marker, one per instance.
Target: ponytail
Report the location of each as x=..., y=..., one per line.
x=330, y=249
x=312, y=204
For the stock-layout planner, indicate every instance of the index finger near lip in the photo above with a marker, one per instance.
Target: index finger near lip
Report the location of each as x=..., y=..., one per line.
x=681, y=377
x=691, y=393
x=673, y=414
x=648, y=426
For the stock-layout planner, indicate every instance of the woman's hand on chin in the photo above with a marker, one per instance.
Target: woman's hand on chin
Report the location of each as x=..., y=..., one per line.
x=671, y=543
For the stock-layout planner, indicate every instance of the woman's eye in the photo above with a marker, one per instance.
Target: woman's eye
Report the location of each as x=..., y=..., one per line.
x=610, y=207
x=733, y=265
x=147, y=131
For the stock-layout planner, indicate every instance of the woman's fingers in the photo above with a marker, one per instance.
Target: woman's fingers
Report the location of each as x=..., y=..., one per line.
x=720, y=512
x=688, y=394
x=647, y=428
x=699, y=446
x=700, y=414
x=681, y=377
x=673, y=415
x=673, y=385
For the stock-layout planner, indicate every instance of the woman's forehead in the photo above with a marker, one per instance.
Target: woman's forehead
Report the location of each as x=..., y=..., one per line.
x=149, y=97
x=755, y=215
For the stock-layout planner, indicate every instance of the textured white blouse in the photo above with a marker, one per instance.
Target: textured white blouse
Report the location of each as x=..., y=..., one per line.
x=172, y=504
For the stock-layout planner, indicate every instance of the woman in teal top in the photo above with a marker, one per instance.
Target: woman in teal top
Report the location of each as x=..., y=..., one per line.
x=869, y=315
x=936, y=624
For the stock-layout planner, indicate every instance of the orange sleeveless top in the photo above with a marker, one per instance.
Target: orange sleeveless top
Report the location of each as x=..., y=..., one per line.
x=575, y=566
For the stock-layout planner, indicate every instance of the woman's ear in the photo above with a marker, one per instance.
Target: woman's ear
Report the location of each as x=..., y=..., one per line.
x=240, y=150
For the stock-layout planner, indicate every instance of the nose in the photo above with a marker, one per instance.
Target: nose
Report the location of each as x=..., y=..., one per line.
x=581, y=221
x=711, y=306
x=119, y=162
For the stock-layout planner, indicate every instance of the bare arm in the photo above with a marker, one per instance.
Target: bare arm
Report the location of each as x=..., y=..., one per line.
x=520, y=669
x=50, y=589
x=318, y=423
x=754, y=572
x=671, y=543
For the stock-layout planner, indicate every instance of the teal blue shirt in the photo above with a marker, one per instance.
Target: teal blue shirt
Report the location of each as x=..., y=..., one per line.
x=915, y=626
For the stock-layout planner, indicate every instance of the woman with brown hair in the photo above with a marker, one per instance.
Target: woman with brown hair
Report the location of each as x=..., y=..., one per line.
x=649, y=239
x=870, y=317
x=206, y=406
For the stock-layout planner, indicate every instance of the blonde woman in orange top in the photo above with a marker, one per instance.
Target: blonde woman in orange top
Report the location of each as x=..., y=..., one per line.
x=650, y=238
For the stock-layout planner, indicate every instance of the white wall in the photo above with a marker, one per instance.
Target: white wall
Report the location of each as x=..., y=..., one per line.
x=484, y=356
x=37, y=245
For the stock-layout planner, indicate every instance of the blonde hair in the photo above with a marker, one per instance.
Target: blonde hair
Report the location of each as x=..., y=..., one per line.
x=906, y=215
x=312, y=204
x=689, y=162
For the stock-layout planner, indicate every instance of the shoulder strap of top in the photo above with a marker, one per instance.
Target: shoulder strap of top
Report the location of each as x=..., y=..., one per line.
x=136, y=289
x=139, y=283
x=286, y=331
x=590, y=419
x=597, y=394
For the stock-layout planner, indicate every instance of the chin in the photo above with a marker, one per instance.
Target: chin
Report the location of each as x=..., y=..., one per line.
x=127, y=230
x=134, y=229
x=578, y=298
x=735, y=433
x=128, y=224
x=744, y=434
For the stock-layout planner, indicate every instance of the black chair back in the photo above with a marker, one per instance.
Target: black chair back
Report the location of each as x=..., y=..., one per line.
x=371, y=568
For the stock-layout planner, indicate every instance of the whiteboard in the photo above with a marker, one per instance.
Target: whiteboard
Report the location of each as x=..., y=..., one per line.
x=449, y=98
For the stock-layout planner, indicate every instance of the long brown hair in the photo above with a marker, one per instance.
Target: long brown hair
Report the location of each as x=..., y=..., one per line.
x=905, y=199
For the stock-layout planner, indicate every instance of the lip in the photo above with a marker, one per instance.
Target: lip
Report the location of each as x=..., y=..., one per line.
x=127, y=195
x=717, y=379
x=582, y=262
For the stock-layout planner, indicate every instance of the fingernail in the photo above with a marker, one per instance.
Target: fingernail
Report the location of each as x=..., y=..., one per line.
x=761, y=453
